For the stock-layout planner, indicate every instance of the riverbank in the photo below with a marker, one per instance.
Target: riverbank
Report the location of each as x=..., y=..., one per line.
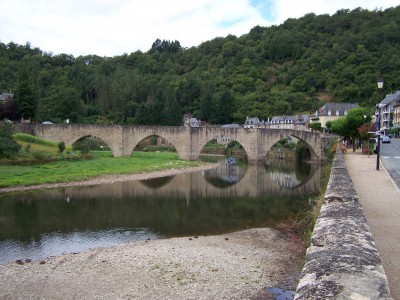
x=239, y=265
x=111, y=178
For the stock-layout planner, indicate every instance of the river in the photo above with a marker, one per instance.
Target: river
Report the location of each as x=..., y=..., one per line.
x=40, y=224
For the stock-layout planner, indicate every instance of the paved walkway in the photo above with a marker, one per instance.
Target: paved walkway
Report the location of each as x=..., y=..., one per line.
x=380, y=199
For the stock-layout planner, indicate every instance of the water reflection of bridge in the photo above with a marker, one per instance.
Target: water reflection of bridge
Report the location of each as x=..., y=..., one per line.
x=255, y=182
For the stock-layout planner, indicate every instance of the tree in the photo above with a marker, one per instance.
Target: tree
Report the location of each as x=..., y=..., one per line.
x=348, y=126
x=339, y=127
x=315, y=126
x=24, y=95
x=61, y=147
x=62, y=103
x=8, y=147
x=226, y=104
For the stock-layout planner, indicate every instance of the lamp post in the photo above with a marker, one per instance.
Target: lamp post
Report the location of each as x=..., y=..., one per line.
x=378, y=118
x=365, y=121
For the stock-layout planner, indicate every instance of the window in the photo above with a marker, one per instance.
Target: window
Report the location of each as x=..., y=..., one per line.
x=337, y=112
x=329, y=113
x=345, y=112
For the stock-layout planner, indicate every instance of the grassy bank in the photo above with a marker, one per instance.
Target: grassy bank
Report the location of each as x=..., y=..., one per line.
x=102, y=163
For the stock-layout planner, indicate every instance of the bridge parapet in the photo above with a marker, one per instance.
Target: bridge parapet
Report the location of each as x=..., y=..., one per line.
x=342, y=261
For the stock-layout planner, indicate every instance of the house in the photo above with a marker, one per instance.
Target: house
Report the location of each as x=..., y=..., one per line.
x=254, y=122
x=301, y=122
x=189, y=121
x=331, y=112
x=8, y=107
x=385, y=108
x=5, y=97
x=283, y=122
x=396, y=115
x=290, y=122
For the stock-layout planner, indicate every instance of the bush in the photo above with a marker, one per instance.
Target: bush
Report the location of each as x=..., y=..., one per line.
x=8, y=147
x=82, y=146
x=89, y=143
x=61, y=147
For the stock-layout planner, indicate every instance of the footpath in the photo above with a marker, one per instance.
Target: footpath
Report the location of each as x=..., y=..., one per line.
x=379, y=197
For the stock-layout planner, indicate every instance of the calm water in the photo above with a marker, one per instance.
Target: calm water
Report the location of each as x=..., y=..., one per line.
x=39, y=224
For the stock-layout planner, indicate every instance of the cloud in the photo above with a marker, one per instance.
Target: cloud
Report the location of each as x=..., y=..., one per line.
x=284, y=9
x=114, y=27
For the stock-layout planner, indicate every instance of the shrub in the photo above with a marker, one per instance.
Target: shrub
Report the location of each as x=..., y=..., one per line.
x=61, y=147
x=8, y=147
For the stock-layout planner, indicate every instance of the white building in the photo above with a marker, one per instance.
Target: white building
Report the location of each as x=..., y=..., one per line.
x=385, y=108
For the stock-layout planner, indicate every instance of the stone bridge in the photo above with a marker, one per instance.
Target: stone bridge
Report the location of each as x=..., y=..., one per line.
x=188, y=141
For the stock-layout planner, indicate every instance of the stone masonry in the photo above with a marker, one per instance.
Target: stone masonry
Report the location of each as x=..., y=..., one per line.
x=188, y=141
x=342, y=261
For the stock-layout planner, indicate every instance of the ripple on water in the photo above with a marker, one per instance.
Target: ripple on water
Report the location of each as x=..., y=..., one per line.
x=58, y=243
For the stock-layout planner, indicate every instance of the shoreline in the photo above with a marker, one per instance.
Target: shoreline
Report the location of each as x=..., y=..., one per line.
x=110, y=179
x=238, y=265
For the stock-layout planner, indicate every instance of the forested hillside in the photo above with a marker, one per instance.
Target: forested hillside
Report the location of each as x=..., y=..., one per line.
x=287, y=69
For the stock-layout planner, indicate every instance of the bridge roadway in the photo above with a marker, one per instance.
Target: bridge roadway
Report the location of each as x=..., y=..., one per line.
x=188, y=141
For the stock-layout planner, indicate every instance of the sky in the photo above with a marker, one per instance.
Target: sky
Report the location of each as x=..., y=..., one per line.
x=114, y=27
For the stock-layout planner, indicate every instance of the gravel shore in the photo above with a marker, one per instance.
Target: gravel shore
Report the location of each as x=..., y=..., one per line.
x=238, y=265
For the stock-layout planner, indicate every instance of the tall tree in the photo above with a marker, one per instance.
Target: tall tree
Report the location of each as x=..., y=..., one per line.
x=24, y=95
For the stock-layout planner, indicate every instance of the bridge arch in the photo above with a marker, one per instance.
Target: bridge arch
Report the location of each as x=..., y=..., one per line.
x=308, y=138
x=222, y=135
x=135, y=134
x=73, y=140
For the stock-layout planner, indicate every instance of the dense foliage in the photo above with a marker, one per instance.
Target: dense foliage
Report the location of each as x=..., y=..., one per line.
x=355, y=125
x=287, y=69
x=8, y=147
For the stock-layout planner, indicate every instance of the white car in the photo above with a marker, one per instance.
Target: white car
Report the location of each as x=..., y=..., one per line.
x=47, y=123
x=385, y=139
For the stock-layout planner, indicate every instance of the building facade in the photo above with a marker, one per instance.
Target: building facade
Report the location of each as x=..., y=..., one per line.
x=331, y=112
x=386, y=108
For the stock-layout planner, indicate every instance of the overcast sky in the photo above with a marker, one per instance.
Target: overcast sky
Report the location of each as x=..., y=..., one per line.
x=114, y=27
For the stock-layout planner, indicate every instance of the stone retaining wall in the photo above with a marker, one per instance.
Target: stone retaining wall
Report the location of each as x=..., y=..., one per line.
x=342, y=261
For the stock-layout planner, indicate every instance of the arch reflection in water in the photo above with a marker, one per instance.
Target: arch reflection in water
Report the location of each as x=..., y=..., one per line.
x=284, y=175
x=156, y=183
x=185, y=205
x=225, y=174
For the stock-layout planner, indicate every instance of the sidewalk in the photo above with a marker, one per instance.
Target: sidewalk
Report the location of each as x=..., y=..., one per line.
x=380, y=199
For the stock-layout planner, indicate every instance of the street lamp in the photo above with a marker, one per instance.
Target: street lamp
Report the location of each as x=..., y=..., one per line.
x=380, y=82
x=367, y=127
x=378, y=118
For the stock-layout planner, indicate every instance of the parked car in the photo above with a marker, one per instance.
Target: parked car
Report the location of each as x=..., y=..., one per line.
x=47, y=123
x=385, y=139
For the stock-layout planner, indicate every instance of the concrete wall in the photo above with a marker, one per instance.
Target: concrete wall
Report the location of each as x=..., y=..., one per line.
x=342, y=261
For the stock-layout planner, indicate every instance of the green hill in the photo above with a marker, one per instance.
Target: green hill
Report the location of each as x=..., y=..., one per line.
x=287, y=69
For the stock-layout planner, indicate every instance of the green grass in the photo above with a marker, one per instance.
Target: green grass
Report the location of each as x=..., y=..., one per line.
x=102, y=164
x=33, y=147
x=22, y=137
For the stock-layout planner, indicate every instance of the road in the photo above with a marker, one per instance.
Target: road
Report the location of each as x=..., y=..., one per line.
x=390, y=158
